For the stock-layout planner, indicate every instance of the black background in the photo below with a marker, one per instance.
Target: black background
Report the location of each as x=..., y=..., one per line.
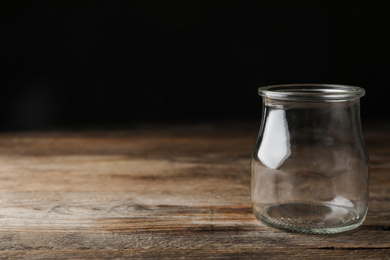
x=110, y=63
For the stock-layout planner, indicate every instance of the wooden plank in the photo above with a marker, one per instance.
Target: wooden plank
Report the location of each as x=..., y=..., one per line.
x=178, y=191
x=261, y=253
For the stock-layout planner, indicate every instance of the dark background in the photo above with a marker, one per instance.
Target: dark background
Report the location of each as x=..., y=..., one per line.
x=112, y=63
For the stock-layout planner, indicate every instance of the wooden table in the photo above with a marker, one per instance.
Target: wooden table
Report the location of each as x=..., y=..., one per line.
x=165, y=191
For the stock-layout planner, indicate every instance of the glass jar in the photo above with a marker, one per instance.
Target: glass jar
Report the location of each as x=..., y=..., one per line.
x=310, y=164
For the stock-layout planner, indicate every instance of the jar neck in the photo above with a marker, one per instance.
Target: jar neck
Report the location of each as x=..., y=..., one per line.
x=290, y=104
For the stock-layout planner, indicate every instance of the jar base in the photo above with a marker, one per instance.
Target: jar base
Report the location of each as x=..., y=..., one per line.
x=310, y=218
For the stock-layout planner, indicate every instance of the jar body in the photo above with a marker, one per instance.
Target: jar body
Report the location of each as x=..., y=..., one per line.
x=310, y=166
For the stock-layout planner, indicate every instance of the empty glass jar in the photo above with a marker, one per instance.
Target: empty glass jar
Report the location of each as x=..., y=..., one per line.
x=310, y=163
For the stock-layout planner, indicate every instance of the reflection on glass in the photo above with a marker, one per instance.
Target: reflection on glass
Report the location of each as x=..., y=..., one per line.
x=275, y=146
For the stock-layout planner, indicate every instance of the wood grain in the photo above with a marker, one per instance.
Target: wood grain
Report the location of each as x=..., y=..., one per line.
x=161, y=192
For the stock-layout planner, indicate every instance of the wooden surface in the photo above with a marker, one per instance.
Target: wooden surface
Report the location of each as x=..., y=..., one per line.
x=161, y=192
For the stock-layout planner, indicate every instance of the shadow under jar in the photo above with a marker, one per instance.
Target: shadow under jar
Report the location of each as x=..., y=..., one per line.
x=310, y=164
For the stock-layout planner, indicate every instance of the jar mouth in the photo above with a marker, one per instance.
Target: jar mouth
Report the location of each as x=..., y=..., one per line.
x=312, y=92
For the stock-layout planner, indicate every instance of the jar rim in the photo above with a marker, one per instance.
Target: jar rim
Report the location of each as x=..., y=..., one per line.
x=312, y=92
